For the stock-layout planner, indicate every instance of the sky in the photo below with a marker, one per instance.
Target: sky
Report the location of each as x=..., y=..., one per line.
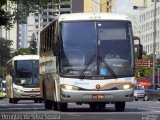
x=124, y=6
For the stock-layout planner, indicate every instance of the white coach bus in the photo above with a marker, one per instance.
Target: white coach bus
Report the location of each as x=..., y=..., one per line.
x=22, y=82
x=87, y=58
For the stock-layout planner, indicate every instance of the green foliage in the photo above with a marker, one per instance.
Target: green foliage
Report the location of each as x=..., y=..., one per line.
x=148, y=57
x=1, y=95
x=148, y=72
x=4, y=50
x=8, y=18
x=2, y=72
x=33, y=44
x=144, y=72
x=24, y=51
x=5, y=17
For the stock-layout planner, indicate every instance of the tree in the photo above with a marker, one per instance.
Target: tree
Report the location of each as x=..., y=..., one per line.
x=8, y=18
x=144, y=72
x=33, y=44
x=5, y=50
x=4, y=16
x=23, y=51
x=148, y=57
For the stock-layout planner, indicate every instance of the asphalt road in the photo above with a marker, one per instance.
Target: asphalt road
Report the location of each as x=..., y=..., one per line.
x=28, y=110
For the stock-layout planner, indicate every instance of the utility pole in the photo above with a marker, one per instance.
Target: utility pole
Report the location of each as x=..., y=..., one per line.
x=39, y=30
x=154, y=41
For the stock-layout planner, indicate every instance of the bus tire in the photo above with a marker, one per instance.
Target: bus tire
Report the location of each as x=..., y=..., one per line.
x=40, y=101
x=44, y=90
x=14, y=100
x=119, y=106
x=62, y=106
x=136, y=99
x=48, y=104
x=35, y=101
x=10, y=100
x=55, y=106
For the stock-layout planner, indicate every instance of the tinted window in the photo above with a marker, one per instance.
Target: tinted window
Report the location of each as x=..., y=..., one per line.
x=157, y=87
x=90, y=47
x=138, y=88
x=150, y=87
x=26, y=72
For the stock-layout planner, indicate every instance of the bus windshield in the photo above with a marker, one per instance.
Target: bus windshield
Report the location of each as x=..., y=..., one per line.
x=96, y=48
x=26, y=72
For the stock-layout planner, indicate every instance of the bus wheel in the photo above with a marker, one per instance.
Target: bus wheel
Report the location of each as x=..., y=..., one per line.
x=10, y=100
x=14, y=100
x=62, y=106
x=119, y=106
x=55, y=106
x=136, y=99
x=35, y=101
x=48, y=104
x=40, y=101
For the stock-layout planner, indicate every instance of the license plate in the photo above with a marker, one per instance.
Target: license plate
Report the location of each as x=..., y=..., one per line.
x=98, y=96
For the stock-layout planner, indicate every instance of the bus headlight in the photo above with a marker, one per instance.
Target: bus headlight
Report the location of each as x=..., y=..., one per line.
x=18, y=90
x=69, y=87
x=126, y=86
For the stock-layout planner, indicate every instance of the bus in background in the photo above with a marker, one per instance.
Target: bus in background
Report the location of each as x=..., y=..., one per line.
x=87, y=58
x=22, y=82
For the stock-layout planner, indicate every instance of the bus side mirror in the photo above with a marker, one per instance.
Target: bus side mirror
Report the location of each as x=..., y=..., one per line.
x=139, y=47
x=139, y=51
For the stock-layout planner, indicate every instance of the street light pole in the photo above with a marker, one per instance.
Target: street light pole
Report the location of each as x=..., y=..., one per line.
x=39, y=29
x=154, y=41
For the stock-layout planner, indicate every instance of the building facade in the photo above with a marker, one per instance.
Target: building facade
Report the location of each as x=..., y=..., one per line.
x=143, y=3
x=48, y=13
x=22, y=31
x=92, y=6
x=146, y=29
x=10, y=34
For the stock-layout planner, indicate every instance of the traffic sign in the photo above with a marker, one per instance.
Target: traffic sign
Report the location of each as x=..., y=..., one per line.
x=144, y=63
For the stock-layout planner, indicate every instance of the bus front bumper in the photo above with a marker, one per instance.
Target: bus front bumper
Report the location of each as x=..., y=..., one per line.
x=27, y=95
x=96, y=96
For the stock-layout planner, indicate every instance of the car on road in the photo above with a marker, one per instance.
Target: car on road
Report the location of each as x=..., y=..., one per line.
x=139, y=93
x=153, y=92
x=2, y=88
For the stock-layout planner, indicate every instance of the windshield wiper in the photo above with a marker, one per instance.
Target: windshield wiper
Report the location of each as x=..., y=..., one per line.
x=89, y=63
x=108, y=67
x=86, y=67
